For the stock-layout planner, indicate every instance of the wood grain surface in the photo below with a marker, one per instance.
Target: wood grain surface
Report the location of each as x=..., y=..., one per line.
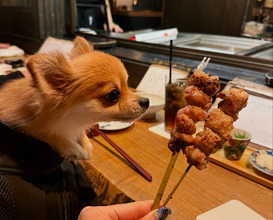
x=199, y=192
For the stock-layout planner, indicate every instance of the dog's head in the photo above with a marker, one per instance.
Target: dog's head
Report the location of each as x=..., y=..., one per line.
x=91, y=85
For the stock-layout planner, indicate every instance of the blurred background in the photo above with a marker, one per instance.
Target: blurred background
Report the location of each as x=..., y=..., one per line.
x=29, y=22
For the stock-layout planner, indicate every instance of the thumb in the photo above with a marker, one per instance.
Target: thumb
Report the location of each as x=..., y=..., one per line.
x=149, y=216
x=134, y=210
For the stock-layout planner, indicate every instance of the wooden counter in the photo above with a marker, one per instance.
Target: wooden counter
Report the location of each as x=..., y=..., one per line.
x=199, y=192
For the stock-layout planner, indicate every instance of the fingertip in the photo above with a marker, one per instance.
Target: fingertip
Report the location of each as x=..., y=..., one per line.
x=162, y=213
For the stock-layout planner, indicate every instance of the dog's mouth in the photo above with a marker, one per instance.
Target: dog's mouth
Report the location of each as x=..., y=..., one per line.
x=129, y=118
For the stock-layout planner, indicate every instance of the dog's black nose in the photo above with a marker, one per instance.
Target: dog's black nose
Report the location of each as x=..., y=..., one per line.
x=144, y=102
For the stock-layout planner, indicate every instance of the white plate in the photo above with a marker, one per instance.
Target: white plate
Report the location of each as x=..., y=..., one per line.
x=252, y=159
x=114, y=125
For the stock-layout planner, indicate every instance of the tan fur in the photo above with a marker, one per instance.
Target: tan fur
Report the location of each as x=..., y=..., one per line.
x=64, y=98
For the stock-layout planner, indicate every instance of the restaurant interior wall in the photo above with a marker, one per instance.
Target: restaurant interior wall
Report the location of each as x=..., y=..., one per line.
x=224, y=17
x=27, y=23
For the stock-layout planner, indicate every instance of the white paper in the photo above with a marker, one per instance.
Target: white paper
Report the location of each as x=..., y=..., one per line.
x=163, y=35
x=154, y=79
x=256, y=118
x=231, y=210
x=160, y=130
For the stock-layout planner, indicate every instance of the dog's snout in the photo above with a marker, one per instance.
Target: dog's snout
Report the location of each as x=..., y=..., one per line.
x=144, y=102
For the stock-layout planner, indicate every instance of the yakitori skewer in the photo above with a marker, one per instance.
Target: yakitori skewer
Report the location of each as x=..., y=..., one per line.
x=198, y=94
x=217, y=128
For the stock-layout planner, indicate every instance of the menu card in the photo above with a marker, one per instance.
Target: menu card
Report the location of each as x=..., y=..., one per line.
x=155, y=77
x=257, y=119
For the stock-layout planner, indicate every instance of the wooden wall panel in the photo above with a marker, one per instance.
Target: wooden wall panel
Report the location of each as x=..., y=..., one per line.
x=224, y=17
x=27, y=23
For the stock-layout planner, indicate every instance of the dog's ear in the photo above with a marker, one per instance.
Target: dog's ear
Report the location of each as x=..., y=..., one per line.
x=50, y=72
x=81, y=46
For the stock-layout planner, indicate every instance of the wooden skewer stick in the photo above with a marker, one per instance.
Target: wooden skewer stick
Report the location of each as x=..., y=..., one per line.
x=165, y=180
x=177, y=184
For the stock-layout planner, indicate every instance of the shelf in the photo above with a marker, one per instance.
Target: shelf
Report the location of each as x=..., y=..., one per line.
x=144, y=13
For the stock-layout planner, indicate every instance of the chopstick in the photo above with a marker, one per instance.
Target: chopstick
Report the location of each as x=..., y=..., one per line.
x=139, y=169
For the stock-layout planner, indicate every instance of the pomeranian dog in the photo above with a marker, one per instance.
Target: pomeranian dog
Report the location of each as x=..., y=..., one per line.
x=64, y=97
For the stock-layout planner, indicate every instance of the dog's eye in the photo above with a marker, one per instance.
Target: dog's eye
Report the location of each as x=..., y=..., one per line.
x=113, y=96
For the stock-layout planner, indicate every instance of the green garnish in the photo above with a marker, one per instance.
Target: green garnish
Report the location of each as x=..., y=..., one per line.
x=241, y=136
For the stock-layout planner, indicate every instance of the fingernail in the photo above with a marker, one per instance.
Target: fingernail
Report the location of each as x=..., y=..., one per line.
x=162, y=213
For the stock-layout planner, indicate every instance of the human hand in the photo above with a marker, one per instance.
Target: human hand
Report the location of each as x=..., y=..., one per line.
x=133, y=211
x=115, y=27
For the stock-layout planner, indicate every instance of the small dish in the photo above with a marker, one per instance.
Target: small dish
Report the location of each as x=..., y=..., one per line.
x=255, y=154
x=114, y=125
x=236, y=145
x=157, y=103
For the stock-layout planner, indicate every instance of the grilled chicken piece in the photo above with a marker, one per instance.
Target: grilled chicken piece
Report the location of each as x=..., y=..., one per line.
x=196, y=157
x=208, y=84
x=207, y=141
x=179, y=141
x=183, y=124
x=233, y=101
x=220, y=123
x=193, y=112
x=195, y=96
